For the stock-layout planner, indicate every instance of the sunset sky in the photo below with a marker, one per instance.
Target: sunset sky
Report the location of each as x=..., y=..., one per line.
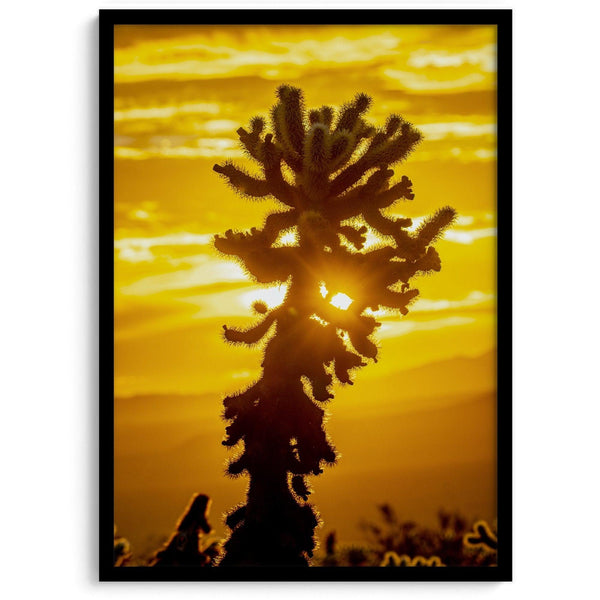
x=180, y=94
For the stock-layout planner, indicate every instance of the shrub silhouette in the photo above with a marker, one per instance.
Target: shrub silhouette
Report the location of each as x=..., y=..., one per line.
x=330, y=170
x=121, y=550
x=399, y=543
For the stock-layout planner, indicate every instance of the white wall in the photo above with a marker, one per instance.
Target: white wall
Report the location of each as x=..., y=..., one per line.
x=48, y=333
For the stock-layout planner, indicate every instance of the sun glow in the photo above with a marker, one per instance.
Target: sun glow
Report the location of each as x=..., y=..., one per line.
x=173, y=290
x=290, y=238
x=341, y=301
x=272, y=297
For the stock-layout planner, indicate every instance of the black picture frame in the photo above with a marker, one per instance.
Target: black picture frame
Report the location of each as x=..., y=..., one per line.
x=502, y=19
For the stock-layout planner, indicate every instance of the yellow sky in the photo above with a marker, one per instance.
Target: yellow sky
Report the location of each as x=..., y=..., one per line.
x=181, y=93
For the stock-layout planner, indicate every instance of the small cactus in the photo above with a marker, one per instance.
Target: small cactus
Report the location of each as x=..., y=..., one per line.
x=482, y=536
x=183, y=547
x=391, y=559
x=121, y=550
x=405, y=543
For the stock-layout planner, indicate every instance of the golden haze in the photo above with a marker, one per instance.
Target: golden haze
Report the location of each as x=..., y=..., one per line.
x=425, y=414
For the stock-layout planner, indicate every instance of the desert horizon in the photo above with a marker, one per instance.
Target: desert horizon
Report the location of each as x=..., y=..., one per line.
x=168, y=448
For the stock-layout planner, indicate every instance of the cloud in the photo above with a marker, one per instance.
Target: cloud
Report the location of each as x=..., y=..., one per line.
x=342, y=49
x=216, y=147
x=144, y=249
x=226, y=148
x=468, y=237
x=209, y=272
x=456, y=129
x=194, y=59
x=171, y=239
x=483, y=57
x=416, y=82
x=397, y=328
x=475, y=298
x=178, y=94
x=167, y=111
x=176, y=137
x=135, y=254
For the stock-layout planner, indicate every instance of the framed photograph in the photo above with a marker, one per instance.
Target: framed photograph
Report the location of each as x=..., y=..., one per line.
x=306, y=295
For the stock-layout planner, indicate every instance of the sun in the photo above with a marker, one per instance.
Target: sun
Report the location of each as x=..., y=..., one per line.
x=338, y=300
x=341, y=301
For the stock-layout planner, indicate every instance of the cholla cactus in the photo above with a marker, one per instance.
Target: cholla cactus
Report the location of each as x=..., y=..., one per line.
x=331, y=172
x=183, y=547
x=482, y=536
x=121, y=550
x=391, y=559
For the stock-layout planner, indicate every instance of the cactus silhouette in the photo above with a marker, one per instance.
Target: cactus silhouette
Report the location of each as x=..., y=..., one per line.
x=330, y=171
x=482, y=536
x=391, y=559
x=121, y=550
x=183, y=547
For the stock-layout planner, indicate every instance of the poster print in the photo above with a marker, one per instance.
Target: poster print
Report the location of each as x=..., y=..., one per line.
x=310, y=276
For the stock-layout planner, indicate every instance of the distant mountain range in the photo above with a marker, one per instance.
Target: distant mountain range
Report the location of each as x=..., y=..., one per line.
x=462, y=374
x=421, y=439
